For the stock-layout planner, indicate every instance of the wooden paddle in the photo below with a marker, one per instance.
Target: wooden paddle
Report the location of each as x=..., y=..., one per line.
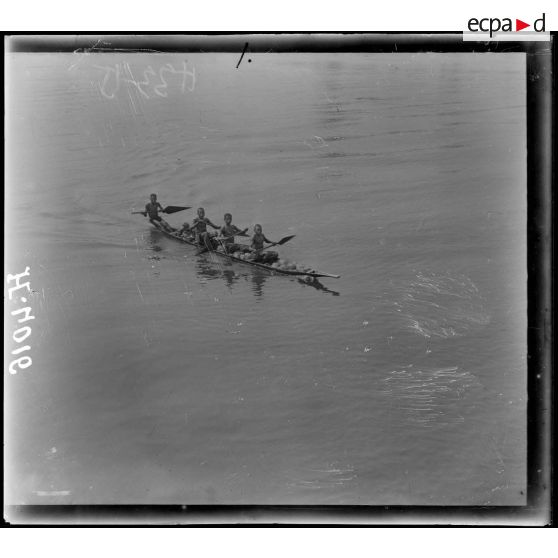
x=241, y=233
x=175, y=208
x=169, y=209
x=284, y=240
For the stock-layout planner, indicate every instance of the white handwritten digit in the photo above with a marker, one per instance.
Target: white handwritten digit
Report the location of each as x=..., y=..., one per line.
x=21, y=334
x=23, y=362
x=192, y=74
x=151, y=71
x=109, y=70
x=27, y=314
x=136, y=83
x=185, y=73
x=164, y=84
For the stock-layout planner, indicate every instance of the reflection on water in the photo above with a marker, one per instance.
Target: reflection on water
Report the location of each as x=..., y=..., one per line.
x=211, y=266
x=258, y=281
x=208, y=269
x=153, y=240
x=230, y=278
x=313, y=282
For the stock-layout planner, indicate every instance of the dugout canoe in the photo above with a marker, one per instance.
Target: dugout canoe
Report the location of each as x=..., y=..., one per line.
x=312, y=273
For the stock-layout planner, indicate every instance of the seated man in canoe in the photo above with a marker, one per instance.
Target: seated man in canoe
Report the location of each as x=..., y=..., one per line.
x=199, y=226
x=257, y=247
x=152, y=211
x=228, y=232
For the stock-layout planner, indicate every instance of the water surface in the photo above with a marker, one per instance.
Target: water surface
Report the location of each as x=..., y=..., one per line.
x=160, y=376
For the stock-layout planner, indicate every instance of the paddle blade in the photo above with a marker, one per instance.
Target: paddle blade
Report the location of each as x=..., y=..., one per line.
x=285, y=240
x=175, y=208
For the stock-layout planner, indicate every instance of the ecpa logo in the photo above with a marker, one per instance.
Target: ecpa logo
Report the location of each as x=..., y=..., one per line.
x=503, y=29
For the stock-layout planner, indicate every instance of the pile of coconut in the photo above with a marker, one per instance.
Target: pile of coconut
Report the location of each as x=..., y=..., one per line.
x=245, y=256
x=282, y=265
x=286, y=265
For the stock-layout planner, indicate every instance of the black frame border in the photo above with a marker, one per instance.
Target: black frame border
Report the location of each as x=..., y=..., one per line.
x=540, y=93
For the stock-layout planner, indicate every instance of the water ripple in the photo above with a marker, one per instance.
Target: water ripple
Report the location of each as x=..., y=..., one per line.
x=441, y=305
x=429, y=396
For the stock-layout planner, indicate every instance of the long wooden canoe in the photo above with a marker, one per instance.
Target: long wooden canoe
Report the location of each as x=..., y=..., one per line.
x=312, y=273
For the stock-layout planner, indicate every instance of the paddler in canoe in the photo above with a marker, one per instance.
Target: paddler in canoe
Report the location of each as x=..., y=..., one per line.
x=257, y=247
x=152, y=211
x=199, y=226
x=228, y=232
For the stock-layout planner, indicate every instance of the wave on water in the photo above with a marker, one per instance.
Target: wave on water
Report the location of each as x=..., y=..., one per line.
x=440, y=305
x=429, y=396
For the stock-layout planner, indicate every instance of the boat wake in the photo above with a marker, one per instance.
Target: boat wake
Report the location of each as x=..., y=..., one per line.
x=429, y=396
x=436, y=305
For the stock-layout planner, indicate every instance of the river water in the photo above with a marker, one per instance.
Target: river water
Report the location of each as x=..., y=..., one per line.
x=160, y=376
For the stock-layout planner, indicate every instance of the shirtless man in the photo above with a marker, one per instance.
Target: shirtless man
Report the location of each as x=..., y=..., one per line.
x=152, y=211
x=258, y=246
x=199, y=225
x=228, y=232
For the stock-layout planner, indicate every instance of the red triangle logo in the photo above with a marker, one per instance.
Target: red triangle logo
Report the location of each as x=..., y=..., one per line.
x=519, y=25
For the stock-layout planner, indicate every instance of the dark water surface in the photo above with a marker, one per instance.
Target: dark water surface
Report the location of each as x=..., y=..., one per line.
x=160, y=376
